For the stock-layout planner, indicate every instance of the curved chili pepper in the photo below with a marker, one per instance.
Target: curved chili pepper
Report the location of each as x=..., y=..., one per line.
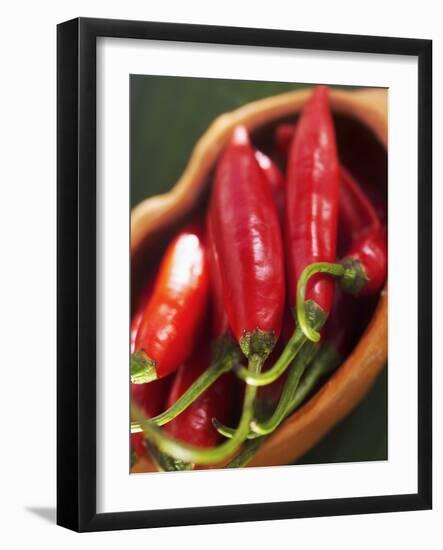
x=171, y=319
x=248, y=241
x=362, y=271
x=194, y=425
x=312, y=197
x=357, y=216
x=365, y=265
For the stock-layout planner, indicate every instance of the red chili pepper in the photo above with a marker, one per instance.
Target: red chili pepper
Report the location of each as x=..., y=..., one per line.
x=357, y=216
x=150, y=398
x=172, y=317
x=220, y=323
x=312, y=197
x=194, y=425
x=139, y=311
x=349, y=316
x=274, y=177
x=247, y=238
x=368, y=259
x=355, y=209
x=367, y=238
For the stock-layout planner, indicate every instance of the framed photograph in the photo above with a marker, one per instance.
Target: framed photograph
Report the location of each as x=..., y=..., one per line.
x=244, y=246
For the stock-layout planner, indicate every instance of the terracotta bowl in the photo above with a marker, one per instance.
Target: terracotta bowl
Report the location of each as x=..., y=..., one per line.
x=358, y=115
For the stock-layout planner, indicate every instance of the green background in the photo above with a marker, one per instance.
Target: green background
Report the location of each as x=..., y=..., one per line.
x=168, y=115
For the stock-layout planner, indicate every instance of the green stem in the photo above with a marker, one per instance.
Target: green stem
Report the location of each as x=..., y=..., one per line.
x=317, y=318
x=325, y=362
x=143, y=369
x=246, y=454
x=197, y=455
x=298, y=367
x=264, y=428
x=211, y=374
x=336, y=270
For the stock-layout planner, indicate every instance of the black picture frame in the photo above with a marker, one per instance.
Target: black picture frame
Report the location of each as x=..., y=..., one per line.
x=76, y=280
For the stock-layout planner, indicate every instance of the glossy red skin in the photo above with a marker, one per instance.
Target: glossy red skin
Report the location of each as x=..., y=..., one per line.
x=312, y=197
x=141, y=306
x=172, y=317
x=220, y=323
x=274, y=178
x=151, y=400
x=248, y=241
x=357, y=216
x=194, y=425
x=371, y=252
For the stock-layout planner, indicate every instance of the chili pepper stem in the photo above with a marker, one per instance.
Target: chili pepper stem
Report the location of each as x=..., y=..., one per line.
x=263, y=379
x=143, y=369
x=317, y=318
x=264, y=428
x=298, y=368
x=246, y=454
x=197, y=455
x=337, y=270
x=206, y=379
x=325, y=361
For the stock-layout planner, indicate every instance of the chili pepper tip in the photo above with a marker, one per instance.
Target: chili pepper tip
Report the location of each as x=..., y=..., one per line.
x=143, y=369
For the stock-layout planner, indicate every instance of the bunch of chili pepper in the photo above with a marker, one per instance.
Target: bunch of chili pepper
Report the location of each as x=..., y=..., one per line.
x=267, y=254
